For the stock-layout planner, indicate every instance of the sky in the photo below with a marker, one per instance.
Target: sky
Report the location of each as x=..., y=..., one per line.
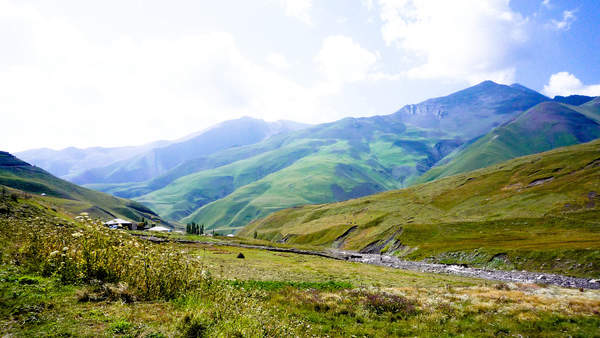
x=123, y=72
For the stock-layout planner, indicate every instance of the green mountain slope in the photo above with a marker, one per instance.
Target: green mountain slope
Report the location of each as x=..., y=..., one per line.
x=159, y=160
x=546, y=126
x=185, y=195
x=218, y=159
x=348, y=158
x=216, y=179
x=591, y=109
x=536, y=209
x=20, y=175
x=320, y=166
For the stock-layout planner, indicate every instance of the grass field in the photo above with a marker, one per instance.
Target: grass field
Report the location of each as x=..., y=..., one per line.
x=66, y=277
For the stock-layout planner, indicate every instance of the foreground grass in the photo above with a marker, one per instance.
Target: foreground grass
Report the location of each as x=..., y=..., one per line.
x=108, y=283
x=45, y=307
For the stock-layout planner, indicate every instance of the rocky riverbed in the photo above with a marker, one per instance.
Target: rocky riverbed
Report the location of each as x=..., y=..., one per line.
x=499, y=275
x=394, y=262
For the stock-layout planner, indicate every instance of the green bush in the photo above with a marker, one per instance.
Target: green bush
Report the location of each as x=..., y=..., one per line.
x=194, y=326
x=120, y=327
x=90, y=252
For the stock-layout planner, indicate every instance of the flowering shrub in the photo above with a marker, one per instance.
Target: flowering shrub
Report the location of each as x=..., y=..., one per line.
x=85, y=251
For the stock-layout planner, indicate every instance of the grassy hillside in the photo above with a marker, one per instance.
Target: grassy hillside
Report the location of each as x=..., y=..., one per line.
x=17, y=174
x=187, y=194
x=218, y=159
x=159, y=160
x=330, y=163
x=349, y=158
x=546, y=126
x=538, y=212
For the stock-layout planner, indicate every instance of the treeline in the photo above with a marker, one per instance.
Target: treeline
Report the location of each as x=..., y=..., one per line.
x=194, y=229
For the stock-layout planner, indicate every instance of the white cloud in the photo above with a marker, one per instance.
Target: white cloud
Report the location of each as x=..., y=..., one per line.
x=470, y=40
x=368, y=4
x=279, y=61
x=77, y=91
x=341, y=20
x=565, y=23
x=299, y=9
x=546, y=3
x=341, y=60
x=564, y=83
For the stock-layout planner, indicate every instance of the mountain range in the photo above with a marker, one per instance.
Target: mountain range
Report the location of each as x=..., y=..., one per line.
x=135, y=164
x=545, y=126
x=243, y=170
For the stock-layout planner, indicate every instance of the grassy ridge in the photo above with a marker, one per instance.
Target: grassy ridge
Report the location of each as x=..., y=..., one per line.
x=544, y=127
x=342, y=164
x=336, y=172
x=19, y=175
x=534, y=210
x=189, y=193
x=160, y=159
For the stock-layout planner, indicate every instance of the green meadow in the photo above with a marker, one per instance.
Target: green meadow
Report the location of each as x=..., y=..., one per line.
x=65, y=277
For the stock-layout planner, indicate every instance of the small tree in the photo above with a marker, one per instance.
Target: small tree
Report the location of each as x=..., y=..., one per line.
x=255, y=234
x=202, y=229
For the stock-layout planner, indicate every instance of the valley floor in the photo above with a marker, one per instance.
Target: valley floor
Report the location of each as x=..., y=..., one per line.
x=65, y=277
x=280, y=294
x=397, y=263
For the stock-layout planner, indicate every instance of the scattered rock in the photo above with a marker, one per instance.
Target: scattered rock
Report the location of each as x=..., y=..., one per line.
x=339, y=242
x=540, y=181
x=514, y=276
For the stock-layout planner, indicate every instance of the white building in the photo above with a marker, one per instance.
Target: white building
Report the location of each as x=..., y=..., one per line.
x=118, y=223
x=160, y=228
